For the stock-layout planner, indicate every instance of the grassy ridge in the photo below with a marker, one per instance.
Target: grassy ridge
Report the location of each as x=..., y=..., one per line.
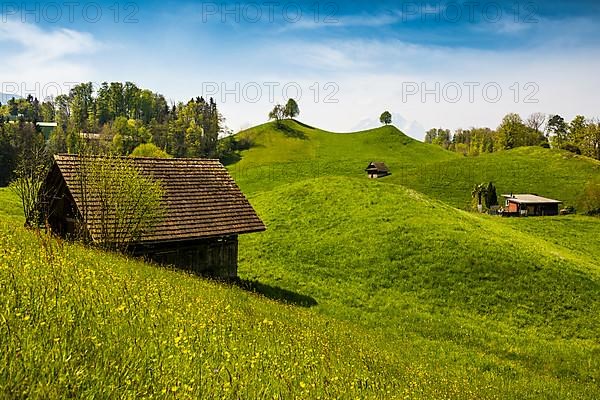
x=547, y=172
x=295, y=152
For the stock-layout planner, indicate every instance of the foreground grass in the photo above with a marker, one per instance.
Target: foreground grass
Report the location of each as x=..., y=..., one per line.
x=77, y=323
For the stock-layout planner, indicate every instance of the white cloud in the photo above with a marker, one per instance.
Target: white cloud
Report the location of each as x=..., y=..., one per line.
x=34, y=59
x=409, y=12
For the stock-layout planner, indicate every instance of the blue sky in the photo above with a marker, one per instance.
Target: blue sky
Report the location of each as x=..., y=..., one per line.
x=450, y=64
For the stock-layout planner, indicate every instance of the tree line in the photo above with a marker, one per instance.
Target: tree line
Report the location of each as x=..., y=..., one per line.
x=116, y=118
x=580, y=136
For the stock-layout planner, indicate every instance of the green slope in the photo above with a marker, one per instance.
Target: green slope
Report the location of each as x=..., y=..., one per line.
x=551, y=173
x=398, y=262
x=297, y=152
x=414, y=298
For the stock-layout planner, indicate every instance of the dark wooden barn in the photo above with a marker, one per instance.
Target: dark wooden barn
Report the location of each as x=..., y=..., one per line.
x=205, y=212
x=529, y=205
x=377, y=169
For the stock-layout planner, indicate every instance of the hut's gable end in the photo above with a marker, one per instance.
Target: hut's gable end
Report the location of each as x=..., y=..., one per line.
x=57, y=205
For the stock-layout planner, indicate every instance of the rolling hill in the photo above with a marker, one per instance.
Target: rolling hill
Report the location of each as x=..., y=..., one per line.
x=295, y=152
x=396, y=261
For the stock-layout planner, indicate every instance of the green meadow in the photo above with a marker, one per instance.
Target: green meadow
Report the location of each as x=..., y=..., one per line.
x=359, y=288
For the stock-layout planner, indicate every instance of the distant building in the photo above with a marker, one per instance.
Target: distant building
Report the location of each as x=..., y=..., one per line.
x=205, y=212
x=47, y=128
x=90, y=135
x=377, y=170
x=530, y=205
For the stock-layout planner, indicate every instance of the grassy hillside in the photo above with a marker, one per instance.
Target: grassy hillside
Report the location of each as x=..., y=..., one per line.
x=391, y=258
x=295, y=152
x=551, y=173
x=383, y=237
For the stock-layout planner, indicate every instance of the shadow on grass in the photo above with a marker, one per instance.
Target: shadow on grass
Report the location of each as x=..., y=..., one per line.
x=303, y=124
x=291, y=132
x=230, y=159
x=276, y=293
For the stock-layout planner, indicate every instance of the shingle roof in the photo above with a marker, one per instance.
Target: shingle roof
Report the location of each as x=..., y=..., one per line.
x=202, y=200
x=379, y=166
x=529, y=199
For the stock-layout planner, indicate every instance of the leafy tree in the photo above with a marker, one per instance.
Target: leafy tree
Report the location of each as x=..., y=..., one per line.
x=386, y=118
x=29, y=175
x=592, y=140
x=62, y=111
x=277, y=113
x=149, y=150
x=81, y=106
x=58, y=141
x=291, y=109
x=117, y=145
x=103, y=104
x=511, y=132
x=194, y=139
x=131, y=97
x=577, y=130
x=126, y=205
x=479, y=190
x=557, y=130
x=73, y=141
x=116, y=100
x=47, y=111
x=590, y=199
x=491, y=197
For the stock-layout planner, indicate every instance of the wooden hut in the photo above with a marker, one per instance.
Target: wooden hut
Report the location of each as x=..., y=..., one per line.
x=530, y=205
x=205, y=212
x=377, y=169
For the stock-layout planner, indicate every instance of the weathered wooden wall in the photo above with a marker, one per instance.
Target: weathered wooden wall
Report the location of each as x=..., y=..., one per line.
x=210, y=257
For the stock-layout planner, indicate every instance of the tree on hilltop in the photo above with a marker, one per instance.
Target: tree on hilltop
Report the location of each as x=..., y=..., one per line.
x=386, y=118
x=277, y=113
x=291, y=109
